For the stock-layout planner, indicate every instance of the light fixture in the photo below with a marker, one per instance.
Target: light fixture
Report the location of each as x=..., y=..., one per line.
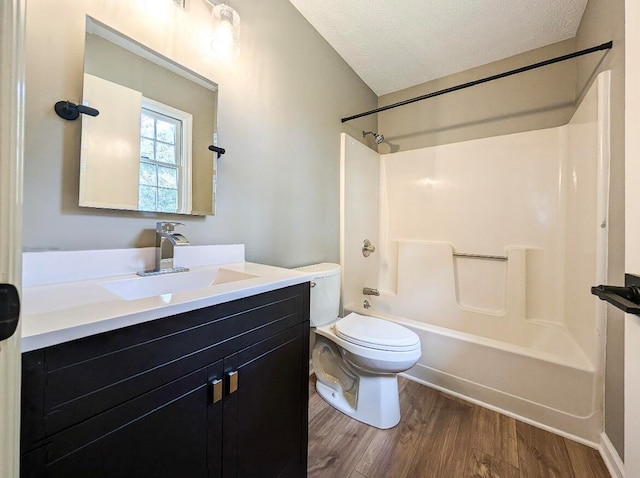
x=226, y=30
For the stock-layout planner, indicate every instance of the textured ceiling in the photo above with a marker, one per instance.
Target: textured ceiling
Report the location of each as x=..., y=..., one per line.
x=394, y=44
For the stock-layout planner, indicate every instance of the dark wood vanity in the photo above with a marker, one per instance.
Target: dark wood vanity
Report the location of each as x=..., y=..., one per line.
x=215, y=392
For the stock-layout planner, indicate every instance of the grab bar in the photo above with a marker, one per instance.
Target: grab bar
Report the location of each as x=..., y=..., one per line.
x=480, y=256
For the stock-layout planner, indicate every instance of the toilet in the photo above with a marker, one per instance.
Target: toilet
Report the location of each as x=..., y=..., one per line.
x=356, y=359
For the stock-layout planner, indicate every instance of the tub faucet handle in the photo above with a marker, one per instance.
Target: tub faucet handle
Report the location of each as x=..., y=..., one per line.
x=367, y=248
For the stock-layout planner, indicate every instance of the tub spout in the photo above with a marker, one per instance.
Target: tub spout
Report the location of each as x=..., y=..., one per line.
x=370, y=291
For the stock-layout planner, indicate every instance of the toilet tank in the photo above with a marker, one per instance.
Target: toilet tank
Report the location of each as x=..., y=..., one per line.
x=325, y=294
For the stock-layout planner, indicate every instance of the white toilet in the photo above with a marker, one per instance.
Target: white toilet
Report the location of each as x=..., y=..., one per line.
x=356, y=358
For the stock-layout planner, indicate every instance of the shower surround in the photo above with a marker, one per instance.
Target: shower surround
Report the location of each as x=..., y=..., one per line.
x=487, y=249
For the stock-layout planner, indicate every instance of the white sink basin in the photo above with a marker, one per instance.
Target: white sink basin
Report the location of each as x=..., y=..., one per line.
x=151, y=286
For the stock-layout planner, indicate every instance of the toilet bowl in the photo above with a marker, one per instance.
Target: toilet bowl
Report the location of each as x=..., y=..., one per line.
x=356, y=358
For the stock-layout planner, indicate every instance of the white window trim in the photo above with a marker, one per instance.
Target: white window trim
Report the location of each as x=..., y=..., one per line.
x=186, y=142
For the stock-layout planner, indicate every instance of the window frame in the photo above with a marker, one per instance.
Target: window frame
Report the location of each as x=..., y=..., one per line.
x=184, y=159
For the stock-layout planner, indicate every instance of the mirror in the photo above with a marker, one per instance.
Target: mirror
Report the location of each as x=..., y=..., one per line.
x=147, y=150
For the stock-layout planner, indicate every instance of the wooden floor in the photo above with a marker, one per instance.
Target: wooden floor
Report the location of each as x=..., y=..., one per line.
x=440, y=436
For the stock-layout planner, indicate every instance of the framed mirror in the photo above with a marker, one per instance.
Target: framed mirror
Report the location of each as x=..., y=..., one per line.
x=147, y=150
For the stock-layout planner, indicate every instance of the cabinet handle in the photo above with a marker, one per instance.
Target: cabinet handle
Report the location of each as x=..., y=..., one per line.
x=216, y=390
x=233, y=382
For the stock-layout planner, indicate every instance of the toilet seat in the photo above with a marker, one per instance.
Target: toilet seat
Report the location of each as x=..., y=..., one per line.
x=371, y=359
x=376, y=333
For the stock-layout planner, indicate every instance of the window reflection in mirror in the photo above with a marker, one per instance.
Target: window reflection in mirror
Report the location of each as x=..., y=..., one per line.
x=147, y=150
x=165, y=133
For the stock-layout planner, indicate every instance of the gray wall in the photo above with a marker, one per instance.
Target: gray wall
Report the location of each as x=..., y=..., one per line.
x=603, y=20
x=540, y=98
x=280, y=104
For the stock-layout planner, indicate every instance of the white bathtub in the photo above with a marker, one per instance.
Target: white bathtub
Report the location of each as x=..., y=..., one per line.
x=487, y=249
x=554, y=390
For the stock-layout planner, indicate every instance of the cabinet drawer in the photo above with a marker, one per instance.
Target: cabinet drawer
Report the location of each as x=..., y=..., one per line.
x=88, y=376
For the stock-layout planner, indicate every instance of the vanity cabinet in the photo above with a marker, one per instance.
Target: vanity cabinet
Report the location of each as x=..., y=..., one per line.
x=215, y=392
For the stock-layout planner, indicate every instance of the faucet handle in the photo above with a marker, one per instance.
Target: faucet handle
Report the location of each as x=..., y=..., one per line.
x=167, y=226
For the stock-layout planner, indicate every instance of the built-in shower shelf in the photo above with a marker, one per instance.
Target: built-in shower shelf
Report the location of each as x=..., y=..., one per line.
x=625, y=298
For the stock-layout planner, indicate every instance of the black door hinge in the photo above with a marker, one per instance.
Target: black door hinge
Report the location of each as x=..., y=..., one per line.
x=9, y=310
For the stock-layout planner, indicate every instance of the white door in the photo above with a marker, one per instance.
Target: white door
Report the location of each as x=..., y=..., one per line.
x=11, y=144
x=632, y=239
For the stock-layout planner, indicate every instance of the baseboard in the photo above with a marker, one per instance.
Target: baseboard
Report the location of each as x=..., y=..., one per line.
x=611, y=457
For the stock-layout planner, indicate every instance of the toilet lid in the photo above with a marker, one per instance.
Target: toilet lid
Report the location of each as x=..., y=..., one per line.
x=376, y=333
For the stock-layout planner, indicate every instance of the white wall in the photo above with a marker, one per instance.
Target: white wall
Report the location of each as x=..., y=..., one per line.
x=279, y=113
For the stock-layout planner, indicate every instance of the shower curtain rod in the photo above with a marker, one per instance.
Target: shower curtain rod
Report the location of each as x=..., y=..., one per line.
x=604, y=46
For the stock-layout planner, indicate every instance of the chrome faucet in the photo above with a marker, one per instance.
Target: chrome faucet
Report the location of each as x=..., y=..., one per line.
x=370, y=291
x=166, y=240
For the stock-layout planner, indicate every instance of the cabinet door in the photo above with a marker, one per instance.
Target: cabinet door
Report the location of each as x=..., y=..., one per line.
x=162, y=433
x=265, y=416
x=214, y=419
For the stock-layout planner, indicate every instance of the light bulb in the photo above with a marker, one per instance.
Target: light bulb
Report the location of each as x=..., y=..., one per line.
x=222, y=42
x=226, y=31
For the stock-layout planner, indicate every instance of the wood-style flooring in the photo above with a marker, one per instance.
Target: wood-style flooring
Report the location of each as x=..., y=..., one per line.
x=440, y=436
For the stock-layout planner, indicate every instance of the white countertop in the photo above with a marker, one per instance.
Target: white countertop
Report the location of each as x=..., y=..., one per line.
x=56, y=311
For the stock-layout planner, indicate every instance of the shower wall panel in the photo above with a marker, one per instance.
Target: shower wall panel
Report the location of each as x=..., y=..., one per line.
x=538, y=200
x=360, y=200
x=586, y=189
x=484, y=197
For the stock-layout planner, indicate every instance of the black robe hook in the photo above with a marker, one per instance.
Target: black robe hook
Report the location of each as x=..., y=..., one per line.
x=218, y=150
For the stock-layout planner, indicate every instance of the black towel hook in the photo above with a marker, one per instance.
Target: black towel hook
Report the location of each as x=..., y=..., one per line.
x=218, y=150
x=71, y=111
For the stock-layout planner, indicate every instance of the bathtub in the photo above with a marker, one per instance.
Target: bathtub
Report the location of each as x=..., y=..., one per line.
x=548, y=382
x=487, y=250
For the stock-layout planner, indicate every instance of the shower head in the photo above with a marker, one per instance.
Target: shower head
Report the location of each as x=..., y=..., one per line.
x=378, y=138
